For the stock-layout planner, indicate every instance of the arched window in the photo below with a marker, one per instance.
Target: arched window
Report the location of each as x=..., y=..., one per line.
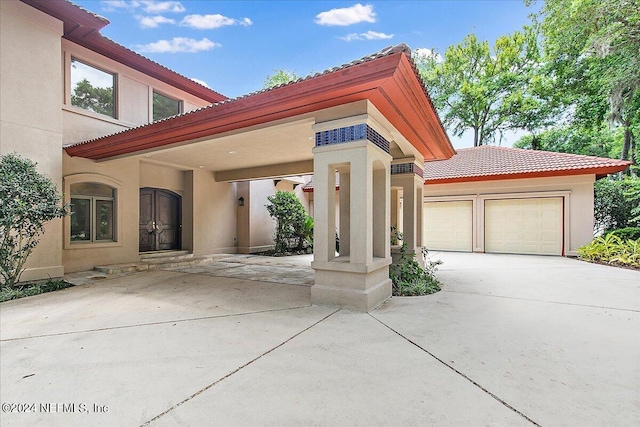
x=92, y=212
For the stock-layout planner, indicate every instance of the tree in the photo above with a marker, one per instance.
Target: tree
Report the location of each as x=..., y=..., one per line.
x=472, y=86
x=96, y=99
x=532, y=105
x=594, y=47
x=27, y=201
x=279, y=77
x=616, y=204
x=572, y=139
x=291, y=220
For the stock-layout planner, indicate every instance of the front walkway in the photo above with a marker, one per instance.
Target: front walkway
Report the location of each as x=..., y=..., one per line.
x=512, y=340
x=292, y=270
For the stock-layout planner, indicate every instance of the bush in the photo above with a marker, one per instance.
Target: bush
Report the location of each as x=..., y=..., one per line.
x=294, y=227
x=27, y=201
x=611, y=249
x=409, y=279
x=9, y=293
x=616, y=203
x=627, y=233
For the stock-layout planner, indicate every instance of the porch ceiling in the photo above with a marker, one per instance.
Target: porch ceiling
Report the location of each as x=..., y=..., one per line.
x=272, y=145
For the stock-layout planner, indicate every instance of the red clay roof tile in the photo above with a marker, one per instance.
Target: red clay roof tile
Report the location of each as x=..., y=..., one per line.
x=489, y=162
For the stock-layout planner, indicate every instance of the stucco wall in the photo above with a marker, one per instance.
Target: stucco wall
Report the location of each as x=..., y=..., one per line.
x=133, y=100
x=124, y=175
x=214, y=214
x=262, y=225
x=30, y=118
x=578, y=189
x=157, y=176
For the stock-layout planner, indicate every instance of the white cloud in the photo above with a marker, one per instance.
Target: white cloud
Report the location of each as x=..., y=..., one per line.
x=153, y=21
x=163, y=6
x=209, y=22
x=202, y=82
x=427, y=53
x=111, y=5
x=369, y=35
x=178, y=45
x=347, y=15
x=148, y=6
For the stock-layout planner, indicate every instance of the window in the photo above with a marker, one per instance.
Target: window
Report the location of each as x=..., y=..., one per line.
x=92, y=89
x=92, y=212
x=164, y=107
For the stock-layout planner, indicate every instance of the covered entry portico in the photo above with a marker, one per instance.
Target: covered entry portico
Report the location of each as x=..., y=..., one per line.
x=356, y=120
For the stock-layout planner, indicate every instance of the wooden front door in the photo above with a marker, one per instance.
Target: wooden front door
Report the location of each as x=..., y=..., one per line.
x=160, y=226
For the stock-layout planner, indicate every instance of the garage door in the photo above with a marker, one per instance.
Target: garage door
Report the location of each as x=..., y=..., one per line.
x=524, y=226
x=447, y=226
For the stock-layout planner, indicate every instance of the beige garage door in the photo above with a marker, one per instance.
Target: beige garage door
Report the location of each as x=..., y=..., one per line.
x=447, y=226
x=524, y=226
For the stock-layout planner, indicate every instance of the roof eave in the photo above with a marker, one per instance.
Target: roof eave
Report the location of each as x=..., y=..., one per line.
x=378, y=80
x=112, y=50
x=72, y=15
x=598, y=171
x=83, y=28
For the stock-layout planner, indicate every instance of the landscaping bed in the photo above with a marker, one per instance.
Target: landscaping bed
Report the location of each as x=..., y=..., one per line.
x=28, y=289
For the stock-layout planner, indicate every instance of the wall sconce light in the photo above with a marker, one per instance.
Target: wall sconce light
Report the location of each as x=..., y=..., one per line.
x=241, y=201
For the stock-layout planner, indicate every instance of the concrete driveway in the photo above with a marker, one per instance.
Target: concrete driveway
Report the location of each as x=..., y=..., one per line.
x=511, y=340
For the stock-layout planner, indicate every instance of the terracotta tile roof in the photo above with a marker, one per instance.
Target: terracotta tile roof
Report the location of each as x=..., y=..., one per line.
x=390, y=50
x=308, y=187
x=384, y=52
x=489, y=163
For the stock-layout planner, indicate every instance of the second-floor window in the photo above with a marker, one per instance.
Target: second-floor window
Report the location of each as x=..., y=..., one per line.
x=164, y=107
x=92, y=89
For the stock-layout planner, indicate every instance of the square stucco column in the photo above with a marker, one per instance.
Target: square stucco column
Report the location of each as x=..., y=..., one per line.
x=358, y=278
x=407, y=174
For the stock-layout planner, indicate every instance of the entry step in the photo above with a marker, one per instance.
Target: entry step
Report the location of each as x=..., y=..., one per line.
x=149, y=256
x=156, y=263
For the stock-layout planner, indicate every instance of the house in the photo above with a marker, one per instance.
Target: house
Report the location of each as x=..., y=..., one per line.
x=505, y=200
x=151, y=160
x=509, y=200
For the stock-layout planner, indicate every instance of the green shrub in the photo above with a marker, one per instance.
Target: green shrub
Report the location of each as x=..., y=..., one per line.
x=27, y=201
x=616, y=203
x=8, y=293
x=611, y=249
x=396, y=236
x=627, y=233
x=293, y=227
x=409, y=279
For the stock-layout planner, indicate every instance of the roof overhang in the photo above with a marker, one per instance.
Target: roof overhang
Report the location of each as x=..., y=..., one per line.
x=83, y=27
x=599, y=172
x=389, y=82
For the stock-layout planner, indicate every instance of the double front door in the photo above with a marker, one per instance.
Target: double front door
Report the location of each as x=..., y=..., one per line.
x=160, y=220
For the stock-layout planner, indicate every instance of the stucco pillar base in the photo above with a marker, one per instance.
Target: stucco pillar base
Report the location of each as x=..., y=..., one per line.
x=356, y=287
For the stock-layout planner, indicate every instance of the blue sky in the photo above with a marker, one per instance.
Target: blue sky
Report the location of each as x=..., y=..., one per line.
x=233, y=45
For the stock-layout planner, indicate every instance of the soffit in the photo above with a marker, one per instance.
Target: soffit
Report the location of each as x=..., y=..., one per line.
x=272, y=145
